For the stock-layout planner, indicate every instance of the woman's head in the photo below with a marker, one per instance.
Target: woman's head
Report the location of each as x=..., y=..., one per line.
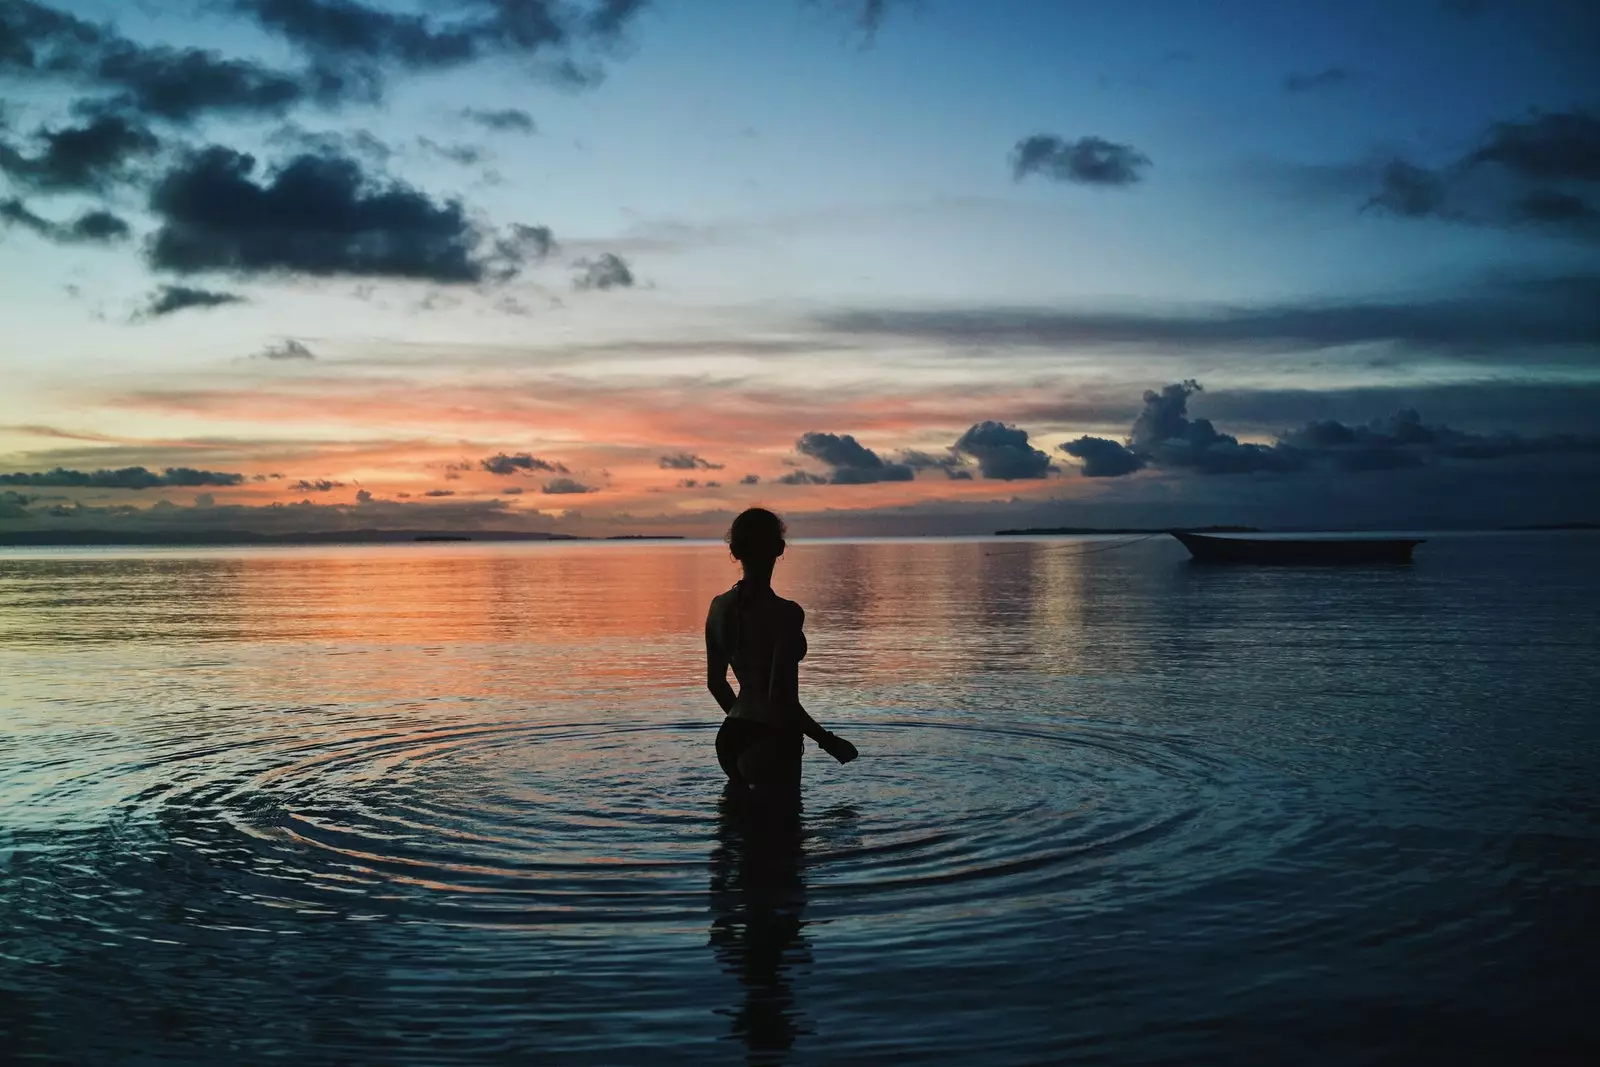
x=756, y=537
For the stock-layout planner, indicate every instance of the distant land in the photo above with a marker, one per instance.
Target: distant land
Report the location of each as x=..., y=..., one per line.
x=320, y=537
x=1039, y=531
x=1559, y=526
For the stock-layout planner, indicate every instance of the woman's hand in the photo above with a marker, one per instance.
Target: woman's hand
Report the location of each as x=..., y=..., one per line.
x=837, y=747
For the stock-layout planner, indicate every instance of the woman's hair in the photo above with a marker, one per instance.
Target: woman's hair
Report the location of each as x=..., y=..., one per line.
x=757, y=534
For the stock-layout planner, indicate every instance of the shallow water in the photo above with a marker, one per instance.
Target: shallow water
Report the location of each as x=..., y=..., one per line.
x=439, y=803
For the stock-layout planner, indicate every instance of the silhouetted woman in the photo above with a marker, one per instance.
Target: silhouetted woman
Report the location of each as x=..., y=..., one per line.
x=760, y=635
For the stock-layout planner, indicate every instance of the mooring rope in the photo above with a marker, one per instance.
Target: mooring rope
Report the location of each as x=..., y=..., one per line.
x=1082, y=550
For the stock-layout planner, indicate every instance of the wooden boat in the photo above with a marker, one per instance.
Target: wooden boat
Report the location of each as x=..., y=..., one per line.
x=1206, y=548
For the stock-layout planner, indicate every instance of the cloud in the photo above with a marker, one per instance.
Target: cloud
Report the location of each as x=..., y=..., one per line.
x=363, y=497
x=318, y=485
x=605, y=271
x=1086, y=161
x=1103, y=458
x=464, y=154
x=92, y=227
x=1327, y=78
x=288, y=349
x=687, y=461
x=1163, y=436
x=1542, y=171
x=80, y=157
x=124, y=478
x=440, y=492
x=950, y=463
x=799, y=477
x=519, y=246
x=344, y=30
x=178, y=84
x=503, y=464
x=1002, y=452
x=1546, y=312
x=750, y=479
x=1409, y=190
x=565, y=486
x=852, y=462
x=174, y=298
x=503, y=120
x=317, y=215
x=1548, y=147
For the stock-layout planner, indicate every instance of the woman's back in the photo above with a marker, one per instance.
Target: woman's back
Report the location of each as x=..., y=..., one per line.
x=759, y=633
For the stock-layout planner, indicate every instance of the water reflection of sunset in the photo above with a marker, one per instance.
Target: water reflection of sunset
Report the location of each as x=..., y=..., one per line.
x=567, y=620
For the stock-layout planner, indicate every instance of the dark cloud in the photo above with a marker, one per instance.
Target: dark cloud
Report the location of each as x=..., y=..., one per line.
x=84, y=157
x=750, y=479
x=1103, y=458
x=440, y=492
x=318, y=214
x=92, y=227
x=503, y=120
x=1548, y=147
x=1522, y=314
x=178, y=84
x=1002, y=452
x=174, y=298
x=519, y=462
x=288, y=349
x=1086, y=161
x=316, y=485
x=687, y=461
x=1327, y=78
x=605, y=271
x=799, y=477
x=852, y=462
x=124, y=478
x=1163, y=436
x=1409, y=190
x=688, y=483
x=950, y=463
x=346, y=29
x=1550, y=205
x=343, y=30
x=361, y=144
x=464, y=154
x=566, y=486
x=1542, y=171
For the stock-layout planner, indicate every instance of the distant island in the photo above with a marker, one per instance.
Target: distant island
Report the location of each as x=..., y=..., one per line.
x=252, y=537
x=1559, y=526
x=1054, y=531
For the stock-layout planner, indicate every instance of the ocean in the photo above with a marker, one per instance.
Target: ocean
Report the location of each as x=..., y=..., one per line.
x=457, y=803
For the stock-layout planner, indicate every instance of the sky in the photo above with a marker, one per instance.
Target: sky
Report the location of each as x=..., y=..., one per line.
x=885, y=266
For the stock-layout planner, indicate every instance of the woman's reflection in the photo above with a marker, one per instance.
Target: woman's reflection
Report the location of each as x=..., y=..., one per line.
x=758, y=900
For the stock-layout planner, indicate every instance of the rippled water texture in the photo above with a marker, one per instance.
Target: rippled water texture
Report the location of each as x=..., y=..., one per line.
x=438, y=803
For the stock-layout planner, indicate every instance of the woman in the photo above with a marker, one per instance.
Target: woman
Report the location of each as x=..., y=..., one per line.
x=759, y=634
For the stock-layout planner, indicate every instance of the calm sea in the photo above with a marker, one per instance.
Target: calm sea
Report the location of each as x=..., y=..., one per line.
x=458, y=803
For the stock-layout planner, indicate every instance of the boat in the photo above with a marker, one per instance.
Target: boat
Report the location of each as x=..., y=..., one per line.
x=1207, y=548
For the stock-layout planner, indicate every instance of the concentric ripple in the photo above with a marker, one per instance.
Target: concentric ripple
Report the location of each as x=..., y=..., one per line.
x=440, y=807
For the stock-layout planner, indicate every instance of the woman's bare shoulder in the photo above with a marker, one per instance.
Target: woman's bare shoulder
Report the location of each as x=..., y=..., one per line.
x=792, y=611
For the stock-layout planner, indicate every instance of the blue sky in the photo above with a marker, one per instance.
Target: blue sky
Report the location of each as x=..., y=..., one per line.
x=803, y=225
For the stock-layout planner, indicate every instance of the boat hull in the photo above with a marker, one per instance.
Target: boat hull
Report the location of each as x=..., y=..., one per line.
x=1208, y=549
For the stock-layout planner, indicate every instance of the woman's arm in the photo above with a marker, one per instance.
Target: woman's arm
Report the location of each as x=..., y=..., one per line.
x=717, y=669
x=831, y=743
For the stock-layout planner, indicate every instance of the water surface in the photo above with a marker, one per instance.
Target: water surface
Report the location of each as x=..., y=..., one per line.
x=440, y=803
